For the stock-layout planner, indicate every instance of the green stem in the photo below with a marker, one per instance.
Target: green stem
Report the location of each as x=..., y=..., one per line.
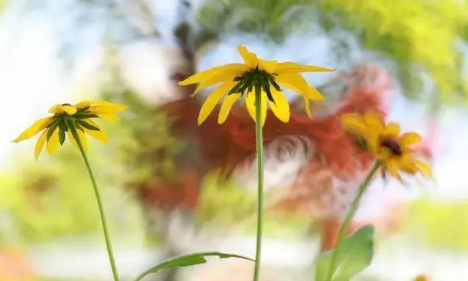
x=259, y=142
x=349, y=217
x=99, y=202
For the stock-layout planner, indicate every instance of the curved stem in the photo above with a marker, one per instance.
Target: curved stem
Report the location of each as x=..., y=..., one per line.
x=349, y=217
x=259, y=143
x=99, y=203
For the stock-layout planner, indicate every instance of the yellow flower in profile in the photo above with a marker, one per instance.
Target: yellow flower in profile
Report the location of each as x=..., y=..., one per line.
x=386, y=143
x=68, y=118
x=255, y=74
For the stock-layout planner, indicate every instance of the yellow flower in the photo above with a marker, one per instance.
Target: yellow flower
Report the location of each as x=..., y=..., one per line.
x=421, y=278
x=65, y=119
x=239, y=79
x=386, y=143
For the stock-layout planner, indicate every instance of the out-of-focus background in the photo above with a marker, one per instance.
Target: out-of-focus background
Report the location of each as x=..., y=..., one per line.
x=160, y=175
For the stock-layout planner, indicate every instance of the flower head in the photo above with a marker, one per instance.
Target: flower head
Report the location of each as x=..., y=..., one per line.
x=244, y=79
x=385, y=142
x=67, y=118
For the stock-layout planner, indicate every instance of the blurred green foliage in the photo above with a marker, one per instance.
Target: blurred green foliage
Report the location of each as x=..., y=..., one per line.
x=53, y=198
x=440, y=224
x=230, y=205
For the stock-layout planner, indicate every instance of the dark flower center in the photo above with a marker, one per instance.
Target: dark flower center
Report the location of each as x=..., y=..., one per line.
x=255, y=79
x=65, y=104
x=393, y=146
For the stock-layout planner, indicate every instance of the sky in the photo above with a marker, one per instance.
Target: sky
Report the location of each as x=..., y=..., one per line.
x=32, y=78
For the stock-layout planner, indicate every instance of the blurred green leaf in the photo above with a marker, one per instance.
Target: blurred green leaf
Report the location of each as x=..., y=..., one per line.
x=187, y=260
x=355, y=255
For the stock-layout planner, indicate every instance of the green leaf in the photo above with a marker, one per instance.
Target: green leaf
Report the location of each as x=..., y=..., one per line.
x=354, y=256
x=187, y=260
x=61, y=136
x=87, y=126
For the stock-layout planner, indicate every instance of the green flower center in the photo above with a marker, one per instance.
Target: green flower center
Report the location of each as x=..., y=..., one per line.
x=255, y=79
x=393, y=145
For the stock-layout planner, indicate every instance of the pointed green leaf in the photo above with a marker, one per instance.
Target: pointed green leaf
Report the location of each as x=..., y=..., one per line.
x=354, y=256
x=87, y=126
x=61, y=136
x=187, y=260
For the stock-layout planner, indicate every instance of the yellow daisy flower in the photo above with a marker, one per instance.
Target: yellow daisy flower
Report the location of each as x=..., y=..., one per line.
x=65, y=116
x=386, y=143
x=255, y=74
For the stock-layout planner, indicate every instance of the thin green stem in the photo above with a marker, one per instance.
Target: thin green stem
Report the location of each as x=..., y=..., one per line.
x=259, y=142
x=349, y=217
x=99, y=202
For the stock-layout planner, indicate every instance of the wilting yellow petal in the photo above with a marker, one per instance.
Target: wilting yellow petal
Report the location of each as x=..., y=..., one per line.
x=212, y=100
x=374, y=123
x=250, y=58
x=295, y=82
x=251, y=106
x=35, y=128
x=267, y=65
x=354, y=124
x=281, y=106
x=204, y=75
x=40, y=144
x=391, y=130
x=290, y=67
x=53, y=142
x=228, y=102
x=57, y=108
x=409, y=139
x=224, y=76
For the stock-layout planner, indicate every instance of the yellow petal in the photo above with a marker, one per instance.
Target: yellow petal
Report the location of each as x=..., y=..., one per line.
x=281, y=106
x=83, y=104
x=53, y=142
x=99, y=135
x=250, y=58
x=69, y=110
x=204, y=75
x=106, y=116
x=268, y=65
x=57, y=109
x=106, y=109
x=314, y=94
x=35, y=128
x=374, y=123
x=407, y=164
x=40, y=144
x=224, y=76
x=251, y=106
x=354, y=123
x=423, y=167
x=226, y=107
x=72, y=138
x=373, y=146
x=295, y=82
x=391, y=130
x=393, y=167
x=290, y=67
x=409, y=139
x=307, y=106
x=83, y=139
x=212, y=100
